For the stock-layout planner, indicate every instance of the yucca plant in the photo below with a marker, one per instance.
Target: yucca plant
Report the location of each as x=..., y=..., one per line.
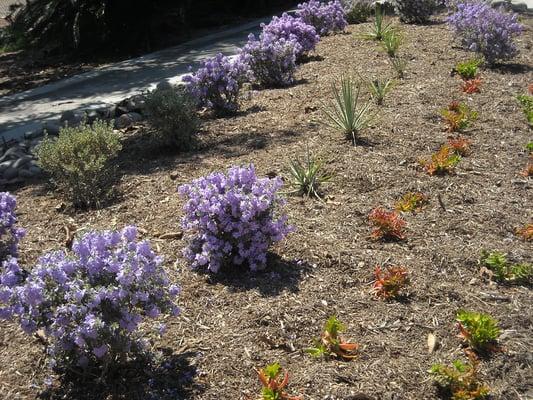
x=307, y=176
x=400, y=65
x=391, y=42
x=380, y=27
x=379, y=89
x=345, y=114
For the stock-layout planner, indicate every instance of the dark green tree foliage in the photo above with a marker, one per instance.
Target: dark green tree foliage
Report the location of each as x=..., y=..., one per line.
x=104, y=26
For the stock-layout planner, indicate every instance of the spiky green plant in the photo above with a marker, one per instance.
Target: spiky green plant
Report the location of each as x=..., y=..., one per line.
x=400, y=65
x=468, y=69
x=479, y=330
x=379, y=89
x=503, y=271
x=391, y=41
x=345, y=114
x=379, y=27
x=308, y=176
x=460, y=380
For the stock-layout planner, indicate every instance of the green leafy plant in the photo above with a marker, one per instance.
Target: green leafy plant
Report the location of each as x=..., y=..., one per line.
x=79, y=162
x=471, y=86
x=411, y=201
x=390, y=283
x=379, y=27
x=345, y=113
x=274, y=383
x=307, y=176
x=389, y=225
x=379, y=89
x=501, y=270
x=399, y=64
x=331, y=344
x=442, y=162
x=391, y=42
x=479, y=330
x=461, y=380
x=172, y=113
x=468, y=69
x=458, y=116
x=529, y=147
x=526, y=102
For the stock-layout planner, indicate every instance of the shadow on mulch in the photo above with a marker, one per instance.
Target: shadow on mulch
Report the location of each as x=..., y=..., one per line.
x=279, y=275
x=170, y=377
x=513, y=68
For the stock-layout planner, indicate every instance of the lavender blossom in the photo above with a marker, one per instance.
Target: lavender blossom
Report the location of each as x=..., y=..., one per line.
x=325, y=17
x=232, y=219
x=10, y=234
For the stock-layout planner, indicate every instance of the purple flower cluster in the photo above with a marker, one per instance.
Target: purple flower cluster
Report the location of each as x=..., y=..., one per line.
x=325, y=17
x=10, y=234
x=292, y=29
x=91, y=301
x=272, y=61
x=232, y=219
x=218, y=82
x=485, y=30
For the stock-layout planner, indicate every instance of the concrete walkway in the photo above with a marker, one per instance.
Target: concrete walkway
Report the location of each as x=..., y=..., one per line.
x=27, y=111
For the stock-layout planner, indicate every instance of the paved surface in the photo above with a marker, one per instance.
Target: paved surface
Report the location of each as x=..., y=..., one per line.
x=26, y=111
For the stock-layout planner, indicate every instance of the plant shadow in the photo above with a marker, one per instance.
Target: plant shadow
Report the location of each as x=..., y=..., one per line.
x=168, y=376
x=280, y=275
x=513, y=68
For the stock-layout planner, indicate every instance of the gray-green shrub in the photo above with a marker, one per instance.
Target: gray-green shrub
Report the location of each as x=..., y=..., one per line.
x=79, y=162
x=415, y=11
x=357, y=11
x=172, y=113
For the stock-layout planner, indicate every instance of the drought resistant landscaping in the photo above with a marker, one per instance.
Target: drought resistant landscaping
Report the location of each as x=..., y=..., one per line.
x=344, y=247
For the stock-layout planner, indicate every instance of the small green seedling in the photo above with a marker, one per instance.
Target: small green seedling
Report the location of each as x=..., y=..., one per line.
x=400, y=65
x=274, y=383
x=391, y=42
x=526, y=102
x=331, y=344
x=503, y=271
x=308, y=176
x=411, y=201
x=379, y=89
x=460, y=380
x=468, y=69
x=479, y=330
x=529, y=147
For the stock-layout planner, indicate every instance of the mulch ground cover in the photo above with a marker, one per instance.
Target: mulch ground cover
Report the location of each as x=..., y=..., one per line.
x=233, y=323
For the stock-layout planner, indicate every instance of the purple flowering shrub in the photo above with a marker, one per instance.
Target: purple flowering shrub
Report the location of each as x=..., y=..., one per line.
x=325, y=17
x=232, y=219
x=89, y=302
x=292, y=29
x=272, y=62
x=10, y=234
x=485, y=30
x=218, y=82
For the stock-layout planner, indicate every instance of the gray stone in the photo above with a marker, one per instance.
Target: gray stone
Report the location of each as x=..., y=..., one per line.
x=107, y=112
x=10, y=173
x=22, y=161
x=521, y=5
x=35, y=170
x=13, y=152
x=52, y=128
x=92, y=115
x=73, y=118
x=127, y=120
x=5, y=165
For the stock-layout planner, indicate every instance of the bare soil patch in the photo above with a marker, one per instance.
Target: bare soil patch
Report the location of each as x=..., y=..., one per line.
x=233, y=324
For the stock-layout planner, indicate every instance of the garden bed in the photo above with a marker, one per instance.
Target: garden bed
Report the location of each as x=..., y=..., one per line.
x=232, y=324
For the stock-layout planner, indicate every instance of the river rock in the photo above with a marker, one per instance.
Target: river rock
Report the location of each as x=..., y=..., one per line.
x=10, y=173
x=127, y=120
x=73, y=118
x=52, y=128
x=22, y=161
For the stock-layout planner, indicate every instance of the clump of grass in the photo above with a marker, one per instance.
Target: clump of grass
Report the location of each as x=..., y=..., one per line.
x=460, y=380
x=391, y=42
x=479, y=330
x=331, y=343
x=346, y=113
x=380, y=28
x=308, y=176
x=379, y=89
x=411, y=201
x=400, y=65
x=504, y=271
x=390, y=283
